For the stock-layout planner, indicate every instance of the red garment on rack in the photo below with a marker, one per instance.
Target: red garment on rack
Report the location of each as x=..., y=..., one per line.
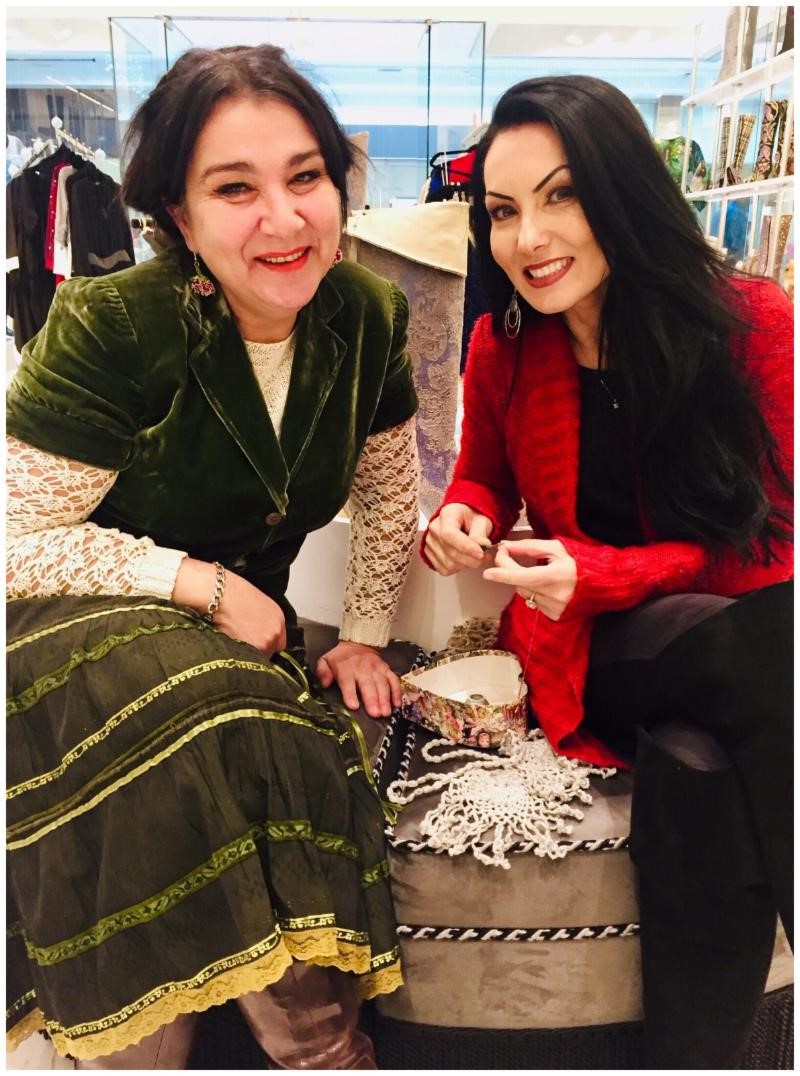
x=50, y=230
x=459, y=170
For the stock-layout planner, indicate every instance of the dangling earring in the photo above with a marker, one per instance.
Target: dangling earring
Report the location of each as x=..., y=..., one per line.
x=513, y=317
x=200, y=283
x=337, y=257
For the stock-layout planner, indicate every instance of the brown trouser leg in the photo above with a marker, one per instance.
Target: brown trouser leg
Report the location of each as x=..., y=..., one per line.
x=167, y=1048
x=309, y=1020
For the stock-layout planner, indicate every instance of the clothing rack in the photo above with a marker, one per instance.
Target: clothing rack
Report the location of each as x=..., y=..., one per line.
x=63, y=136
x=450, y=175
x=55, y=229
x=31, y=155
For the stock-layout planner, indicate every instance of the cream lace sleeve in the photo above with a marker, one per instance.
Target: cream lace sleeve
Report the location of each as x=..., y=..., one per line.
x=384, y=510
x=50, y=547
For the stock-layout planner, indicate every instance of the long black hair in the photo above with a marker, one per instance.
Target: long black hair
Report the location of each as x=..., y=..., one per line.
x=164, y=129
x=696, y=435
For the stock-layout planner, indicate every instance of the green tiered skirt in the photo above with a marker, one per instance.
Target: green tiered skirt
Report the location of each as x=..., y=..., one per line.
x=184, y=818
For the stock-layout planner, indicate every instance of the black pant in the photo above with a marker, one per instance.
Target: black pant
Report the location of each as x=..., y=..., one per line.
x=699, y=688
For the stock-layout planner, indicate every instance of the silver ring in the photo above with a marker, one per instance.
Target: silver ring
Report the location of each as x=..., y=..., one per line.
x=531, y=601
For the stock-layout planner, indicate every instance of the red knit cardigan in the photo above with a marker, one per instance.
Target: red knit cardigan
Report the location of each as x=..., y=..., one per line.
x=522, y=444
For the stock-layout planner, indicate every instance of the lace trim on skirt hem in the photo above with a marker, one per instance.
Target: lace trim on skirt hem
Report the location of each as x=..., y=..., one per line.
x=380, y=982
x=314, y=946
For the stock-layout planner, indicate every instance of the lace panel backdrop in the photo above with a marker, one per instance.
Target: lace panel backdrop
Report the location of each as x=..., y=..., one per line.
x=436, y=302
x=357, y=178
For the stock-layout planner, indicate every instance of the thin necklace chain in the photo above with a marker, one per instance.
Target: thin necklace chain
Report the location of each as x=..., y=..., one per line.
x=611, y=396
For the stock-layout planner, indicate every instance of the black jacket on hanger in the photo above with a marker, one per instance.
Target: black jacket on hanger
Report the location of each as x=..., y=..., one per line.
x=99, y=231
x=100, y=234
x=30, y=288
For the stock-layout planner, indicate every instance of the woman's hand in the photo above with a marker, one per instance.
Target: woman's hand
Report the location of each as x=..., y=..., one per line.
x=537, y=567
x=245, y=613
x=359, y=669
x=456, y=538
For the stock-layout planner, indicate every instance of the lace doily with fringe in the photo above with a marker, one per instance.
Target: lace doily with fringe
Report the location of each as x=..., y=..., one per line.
x=522, y=796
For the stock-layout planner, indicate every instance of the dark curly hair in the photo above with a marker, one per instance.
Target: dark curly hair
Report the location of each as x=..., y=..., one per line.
x=164, y=129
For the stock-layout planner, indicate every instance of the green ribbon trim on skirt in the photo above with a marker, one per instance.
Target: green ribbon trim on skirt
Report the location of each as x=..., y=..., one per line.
x=223, y=859
x=58, y=820
x=62, y=625
x=127, y=711
x=50, y=681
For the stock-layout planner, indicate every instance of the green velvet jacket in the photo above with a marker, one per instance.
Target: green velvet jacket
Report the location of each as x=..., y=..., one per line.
x=135, y=373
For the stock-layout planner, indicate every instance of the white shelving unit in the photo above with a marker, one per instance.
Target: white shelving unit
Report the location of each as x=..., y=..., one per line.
x=738, y=190
x=771, y=73
x=726, y=96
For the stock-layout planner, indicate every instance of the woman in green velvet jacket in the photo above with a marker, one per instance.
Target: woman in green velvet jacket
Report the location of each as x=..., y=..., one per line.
x=188, y=822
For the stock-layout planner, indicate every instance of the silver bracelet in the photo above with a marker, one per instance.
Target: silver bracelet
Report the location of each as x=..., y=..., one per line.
x=219, y=590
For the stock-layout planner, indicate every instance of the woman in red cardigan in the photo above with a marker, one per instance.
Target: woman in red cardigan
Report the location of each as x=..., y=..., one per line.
x=635, y=396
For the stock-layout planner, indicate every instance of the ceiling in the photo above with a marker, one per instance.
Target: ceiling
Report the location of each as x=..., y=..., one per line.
x=645, y=30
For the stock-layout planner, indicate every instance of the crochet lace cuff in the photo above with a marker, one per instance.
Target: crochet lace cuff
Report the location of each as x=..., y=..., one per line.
x=50, y=547
x=384, y=511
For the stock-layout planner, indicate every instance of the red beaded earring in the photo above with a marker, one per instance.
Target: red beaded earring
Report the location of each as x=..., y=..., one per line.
x=200, y=283
x=337, y=256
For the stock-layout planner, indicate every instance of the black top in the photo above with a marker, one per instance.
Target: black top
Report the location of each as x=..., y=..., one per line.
x=607, y=506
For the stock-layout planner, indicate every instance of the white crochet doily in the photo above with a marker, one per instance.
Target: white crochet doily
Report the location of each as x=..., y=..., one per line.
x=519, y=796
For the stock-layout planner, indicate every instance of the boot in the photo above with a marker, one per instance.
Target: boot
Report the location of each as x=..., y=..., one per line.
x=744, y=128
x=737, y=49
x=708, y=919
x=781, y=140
x=733, y=675
x=167, y=1048
x=722, y=152
x=766, y=141
x=780, y=244
x=309, y=1020
x=788, y=31
x=762, y=260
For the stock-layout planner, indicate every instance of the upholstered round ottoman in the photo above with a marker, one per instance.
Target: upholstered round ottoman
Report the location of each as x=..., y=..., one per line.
x=536, y=966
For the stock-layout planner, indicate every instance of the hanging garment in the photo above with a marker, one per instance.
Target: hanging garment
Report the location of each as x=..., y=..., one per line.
x=30, y=287
x=672, y=151
x=450, y=175
x=101, y=236
x=50, y=227
x=62, y=248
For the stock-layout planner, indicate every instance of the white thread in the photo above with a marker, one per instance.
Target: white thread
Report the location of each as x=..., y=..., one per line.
x=521, y=794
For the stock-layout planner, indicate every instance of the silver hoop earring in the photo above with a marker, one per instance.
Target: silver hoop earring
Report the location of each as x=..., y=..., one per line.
x=513, y=317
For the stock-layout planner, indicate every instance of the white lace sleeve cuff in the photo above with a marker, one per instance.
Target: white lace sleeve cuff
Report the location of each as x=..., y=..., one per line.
x=157, y=570
x=50, y=546
x=384, y=512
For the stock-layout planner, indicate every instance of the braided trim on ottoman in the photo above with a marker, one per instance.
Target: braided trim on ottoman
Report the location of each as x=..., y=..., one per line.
x=417, y=932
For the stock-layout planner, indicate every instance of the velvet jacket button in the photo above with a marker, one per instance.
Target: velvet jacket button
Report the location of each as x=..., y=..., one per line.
x=274, y=518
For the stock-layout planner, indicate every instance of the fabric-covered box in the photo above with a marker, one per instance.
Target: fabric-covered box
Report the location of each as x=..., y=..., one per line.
x=472, y=698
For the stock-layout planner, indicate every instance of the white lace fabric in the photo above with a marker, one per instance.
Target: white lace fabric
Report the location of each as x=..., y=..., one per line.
x=384, y=523
x=52, y=549
x=521, y=797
